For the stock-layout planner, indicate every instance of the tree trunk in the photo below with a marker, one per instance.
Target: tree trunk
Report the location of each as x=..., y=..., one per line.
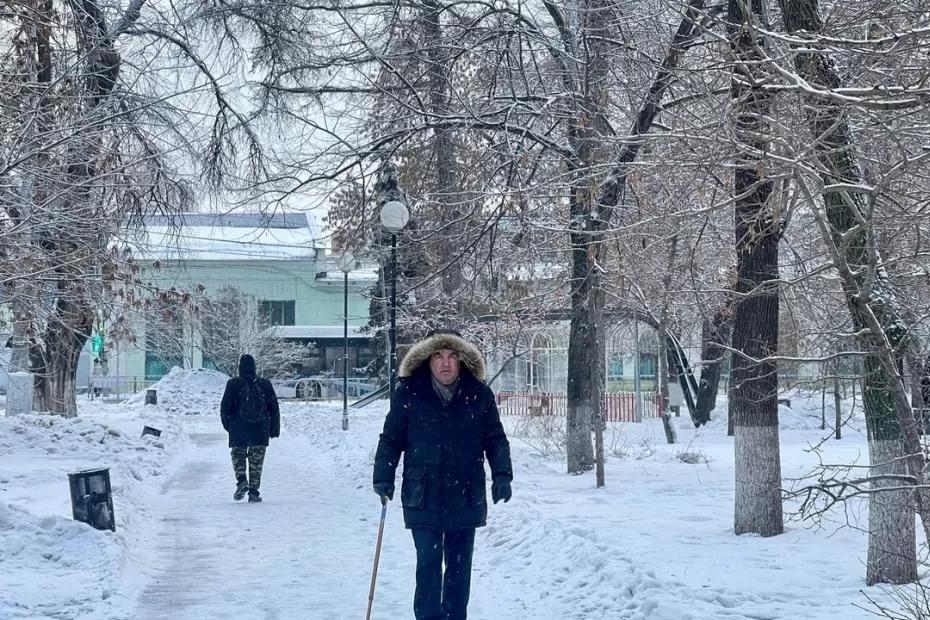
x=715, y=338
x=599, y=378
x=586, y=231
x=837, y=407
x=443, y=148
x=584, y=358
x=25, y=293
x=586, y=363
x=731, y=404
x=662, y=353
x=583, y=363
x=890, y=420
x=892, y=538
x=678, y=362
x=69, y=323
x=758, y=506
x=823, y=396
x=662, y=378
x=60, y=353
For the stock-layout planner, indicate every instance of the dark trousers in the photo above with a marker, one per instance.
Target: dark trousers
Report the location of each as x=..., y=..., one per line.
x=443, y=596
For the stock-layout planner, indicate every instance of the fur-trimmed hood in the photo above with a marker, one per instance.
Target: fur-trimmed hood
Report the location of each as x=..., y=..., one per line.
x=469, y=355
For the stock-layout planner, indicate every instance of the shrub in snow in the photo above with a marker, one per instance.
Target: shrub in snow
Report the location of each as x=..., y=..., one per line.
x=545, y=434
x=623, y=449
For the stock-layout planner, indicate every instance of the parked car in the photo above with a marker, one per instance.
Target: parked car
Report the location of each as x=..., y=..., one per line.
x=319, y=387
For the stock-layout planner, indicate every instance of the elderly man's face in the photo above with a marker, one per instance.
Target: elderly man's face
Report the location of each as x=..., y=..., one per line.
x=444, y=364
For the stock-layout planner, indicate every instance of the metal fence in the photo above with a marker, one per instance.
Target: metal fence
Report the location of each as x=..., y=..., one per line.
x=116, y=387
x=618, y=406
x=121, y=387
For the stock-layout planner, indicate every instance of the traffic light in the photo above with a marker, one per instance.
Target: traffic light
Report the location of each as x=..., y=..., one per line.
x=96, y=344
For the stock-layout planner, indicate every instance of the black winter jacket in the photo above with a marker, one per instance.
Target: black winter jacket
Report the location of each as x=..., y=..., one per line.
x=444, y=449
x=243, y=434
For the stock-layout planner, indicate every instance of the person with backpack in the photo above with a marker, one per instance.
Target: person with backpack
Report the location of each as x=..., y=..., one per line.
x=249, y=413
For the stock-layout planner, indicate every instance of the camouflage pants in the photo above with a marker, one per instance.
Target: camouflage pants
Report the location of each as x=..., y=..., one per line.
x=255, y=456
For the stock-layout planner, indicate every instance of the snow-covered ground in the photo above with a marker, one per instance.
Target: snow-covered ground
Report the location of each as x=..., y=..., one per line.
x=655, y=543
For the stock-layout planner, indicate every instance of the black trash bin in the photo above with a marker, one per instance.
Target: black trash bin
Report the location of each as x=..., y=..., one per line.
x=151, y=430
x=92, y=498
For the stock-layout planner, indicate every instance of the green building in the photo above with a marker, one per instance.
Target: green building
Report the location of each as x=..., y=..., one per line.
x=276, y=264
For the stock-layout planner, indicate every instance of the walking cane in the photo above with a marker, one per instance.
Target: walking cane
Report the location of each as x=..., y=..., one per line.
x=374, y=570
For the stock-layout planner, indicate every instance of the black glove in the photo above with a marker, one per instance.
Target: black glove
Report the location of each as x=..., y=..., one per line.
x=384, y=489
x=500, y=489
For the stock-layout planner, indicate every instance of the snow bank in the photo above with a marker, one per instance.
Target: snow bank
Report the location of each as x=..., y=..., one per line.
x=54, y=566
x=803, y=413
x=52, y=563
x=188, y=392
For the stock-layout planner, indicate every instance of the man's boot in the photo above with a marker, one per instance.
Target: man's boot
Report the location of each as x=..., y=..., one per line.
x=242, y=487
x=254, y=495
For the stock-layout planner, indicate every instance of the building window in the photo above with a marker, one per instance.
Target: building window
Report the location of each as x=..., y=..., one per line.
x=647, y=365
x=615, y=367
x=366, y=355
x=277, y=312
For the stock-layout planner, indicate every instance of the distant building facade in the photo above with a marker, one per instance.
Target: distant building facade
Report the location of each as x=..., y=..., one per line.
x=277, y=261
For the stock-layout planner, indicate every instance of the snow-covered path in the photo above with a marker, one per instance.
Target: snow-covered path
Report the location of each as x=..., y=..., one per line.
x=302, y=553
x=305, y=552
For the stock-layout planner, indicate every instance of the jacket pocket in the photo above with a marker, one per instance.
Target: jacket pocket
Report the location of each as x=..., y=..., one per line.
x=413, y=492
x=477, y=495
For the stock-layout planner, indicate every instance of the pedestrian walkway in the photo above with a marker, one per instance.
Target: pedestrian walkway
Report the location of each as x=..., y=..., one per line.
x=305, y=552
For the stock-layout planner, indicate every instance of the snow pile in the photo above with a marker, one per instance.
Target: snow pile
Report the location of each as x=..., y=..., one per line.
x=808, y=407
x=188, y=392
x=54, y=566
x=39, y=555
x=92, y=440
x=803, y=413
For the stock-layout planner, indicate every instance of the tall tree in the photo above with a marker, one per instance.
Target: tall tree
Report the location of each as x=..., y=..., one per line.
x=754, y=375
x=894, y=444
x=93, y=138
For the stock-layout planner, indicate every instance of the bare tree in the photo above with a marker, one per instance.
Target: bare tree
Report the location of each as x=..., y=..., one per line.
x=755, y=323
x=231, y=325
x=97, y=132
x=849, y=232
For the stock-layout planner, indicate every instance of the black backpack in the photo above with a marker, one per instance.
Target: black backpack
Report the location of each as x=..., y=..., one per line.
x=253, y=408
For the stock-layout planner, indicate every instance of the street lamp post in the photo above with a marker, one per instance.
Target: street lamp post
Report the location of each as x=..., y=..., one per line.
x=394, y=216
x=346, y=263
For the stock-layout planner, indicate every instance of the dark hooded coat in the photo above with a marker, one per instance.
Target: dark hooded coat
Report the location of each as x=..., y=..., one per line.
x=241, y=433
x=444, y=445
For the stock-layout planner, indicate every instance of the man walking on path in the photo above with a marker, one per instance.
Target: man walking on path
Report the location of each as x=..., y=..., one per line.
x=445, y=421
x=250, y=415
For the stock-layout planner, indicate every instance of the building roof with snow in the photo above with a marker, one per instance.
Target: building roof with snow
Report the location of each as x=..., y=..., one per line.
x=229, y=236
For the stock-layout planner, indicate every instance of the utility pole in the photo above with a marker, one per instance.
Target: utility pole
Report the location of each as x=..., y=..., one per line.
x=638, y=395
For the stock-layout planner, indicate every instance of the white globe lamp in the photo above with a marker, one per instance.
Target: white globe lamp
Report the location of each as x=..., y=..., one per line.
x=394, y=216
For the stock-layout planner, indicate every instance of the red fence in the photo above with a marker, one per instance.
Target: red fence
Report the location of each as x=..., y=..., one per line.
x=618, y=407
